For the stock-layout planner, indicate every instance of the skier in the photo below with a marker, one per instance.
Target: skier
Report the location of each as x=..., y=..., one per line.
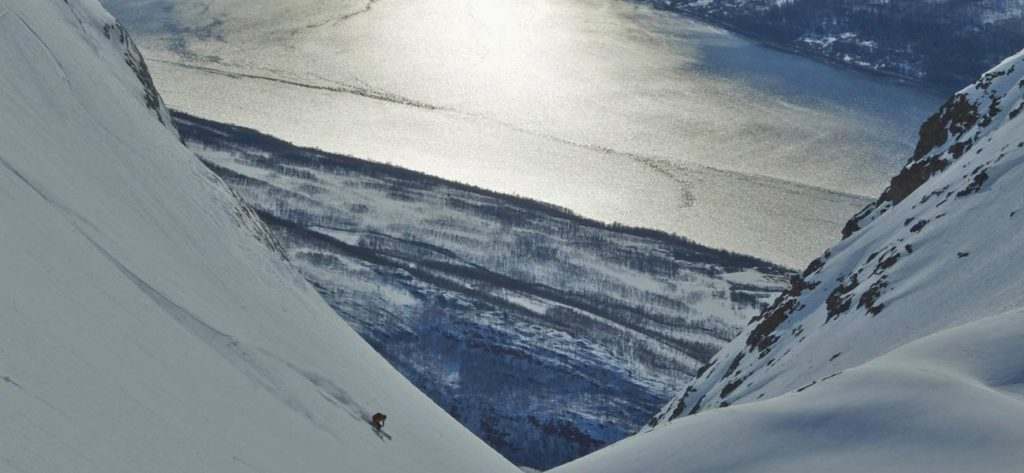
x=378, y=421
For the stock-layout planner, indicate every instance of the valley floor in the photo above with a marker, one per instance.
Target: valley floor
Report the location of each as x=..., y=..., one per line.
x=547, y=334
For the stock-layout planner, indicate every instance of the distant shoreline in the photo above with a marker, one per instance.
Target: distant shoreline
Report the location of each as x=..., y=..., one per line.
x=267, y=141
x=813, y=54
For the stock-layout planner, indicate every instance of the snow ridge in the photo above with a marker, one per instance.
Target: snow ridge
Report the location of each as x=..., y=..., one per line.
x=850, y=305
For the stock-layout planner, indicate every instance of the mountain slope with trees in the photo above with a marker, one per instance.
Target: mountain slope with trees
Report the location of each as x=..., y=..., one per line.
x=942, y=42
x=547, y=334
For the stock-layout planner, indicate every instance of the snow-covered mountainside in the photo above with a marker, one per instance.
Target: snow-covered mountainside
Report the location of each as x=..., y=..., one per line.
x=547, y=334
x=945, y=42
x=146, y=324
x=897, y=350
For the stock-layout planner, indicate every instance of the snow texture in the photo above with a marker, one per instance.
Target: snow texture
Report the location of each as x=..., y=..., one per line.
x=147, y=325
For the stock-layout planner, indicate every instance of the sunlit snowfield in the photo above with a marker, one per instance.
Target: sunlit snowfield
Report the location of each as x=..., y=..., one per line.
x=616, y=111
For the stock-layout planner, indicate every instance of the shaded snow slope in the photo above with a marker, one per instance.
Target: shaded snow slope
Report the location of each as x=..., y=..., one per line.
x=146, y=324
x=547, y=334
x=950, y=402
x=895, y=350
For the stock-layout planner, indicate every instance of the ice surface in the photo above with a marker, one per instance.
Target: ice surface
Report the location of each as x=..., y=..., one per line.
x=613, y=110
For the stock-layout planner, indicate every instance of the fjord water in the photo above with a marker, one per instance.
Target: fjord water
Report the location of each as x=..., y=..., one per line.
x=614, y=110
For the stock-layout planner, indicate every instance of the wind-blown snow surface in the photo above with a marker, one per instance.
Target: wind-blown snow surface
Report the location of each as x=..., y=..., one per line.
x=898, y=350
x=546, y=334
x=146, y=326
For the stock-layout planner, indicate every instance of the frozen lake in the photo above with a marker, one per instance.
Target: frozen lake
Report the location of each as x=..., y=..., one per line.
x=616, y=111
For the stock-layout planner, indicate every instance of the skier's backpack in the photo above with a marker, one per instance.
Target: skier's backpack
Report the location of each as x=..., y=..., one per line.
x=378, y=420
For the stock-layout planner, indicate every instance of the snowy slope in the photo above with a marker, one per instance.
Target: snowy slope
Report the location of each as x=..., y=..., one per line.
x=146, y=324
x=951, y=402
x=547, y=334
x=896, y=350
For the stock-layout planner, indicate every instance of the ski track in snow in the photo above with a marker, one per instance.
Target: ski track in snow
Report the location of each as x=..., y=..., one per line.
x=348, y=16
x=75, y=218
x=256, y=364
x=49, y=52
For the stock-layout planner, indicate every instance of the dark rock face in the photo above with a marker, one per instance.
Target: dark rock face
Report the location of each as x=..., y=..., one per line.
x=133, y=58
x=943, y=139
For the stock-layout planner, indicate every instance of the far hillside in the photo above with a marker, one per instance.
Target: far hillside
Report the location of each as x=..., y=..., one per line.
x=945, y=43
x=547, y=334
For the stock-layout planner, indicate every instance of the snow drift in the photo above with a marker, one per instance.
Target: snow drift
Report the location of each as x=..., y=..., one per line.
x=897, y=350
x=147, y=324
